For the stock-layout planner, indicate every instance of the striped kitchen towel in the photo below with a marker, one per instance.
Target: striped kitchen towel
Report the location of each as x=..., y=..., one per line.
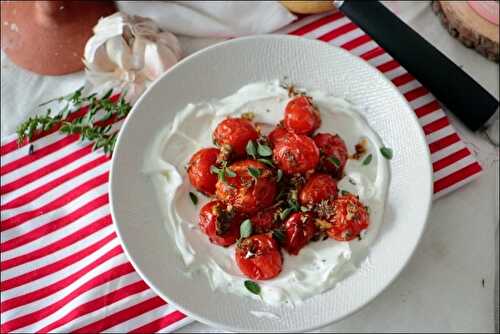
x=62, y=267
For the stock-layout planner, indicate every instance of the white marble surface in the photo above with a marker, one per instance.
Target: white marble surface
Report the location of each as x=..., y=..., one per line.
x=441, y=289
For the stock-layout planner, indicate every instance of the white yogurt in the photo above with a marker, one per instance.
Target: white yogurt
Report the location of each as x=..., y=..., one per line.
x=320, y=265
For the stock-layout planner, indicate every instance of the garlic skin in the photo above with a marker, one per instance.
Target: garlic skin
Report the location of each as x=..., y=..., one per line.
x=128, y=53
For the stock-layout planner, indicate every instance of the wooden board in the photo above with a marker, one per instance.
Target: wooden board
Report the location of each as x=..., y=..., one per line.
x=308, y=7
x=473, y=30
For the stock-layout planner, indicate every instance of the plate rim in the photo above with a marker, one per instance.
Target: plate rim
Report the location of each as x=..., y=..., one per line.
x=223, y=44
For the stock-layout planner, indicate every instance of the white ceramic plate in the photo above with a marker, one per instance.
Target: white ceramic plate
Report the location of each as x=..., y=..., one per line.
x=219, y=71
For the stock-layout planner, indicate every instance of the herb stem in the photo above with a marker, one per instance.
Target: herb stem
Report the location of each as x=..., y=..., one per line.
x=97, y=131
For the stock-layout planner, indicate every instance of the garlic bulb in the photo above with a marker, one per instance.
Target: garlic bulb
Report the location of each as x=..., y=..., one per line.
x=128, y=53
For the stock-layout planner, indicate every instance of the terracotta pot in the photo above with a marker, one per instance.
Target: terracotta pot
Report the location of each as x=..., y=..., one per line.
x=48, y=37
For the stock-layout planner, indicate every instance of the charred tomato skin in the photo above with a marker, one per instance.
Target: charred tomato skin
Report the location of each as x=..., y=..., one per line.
x=301, y=116
x=277, y=135
x=319, y=187
x=265, y=220
x=333, y=152
x=248, y=194
x=259, y=257
x=199, y=172
x=211, y=214
x=298, y=229
x=296, y=154
x=349, y=219
x=235, y=132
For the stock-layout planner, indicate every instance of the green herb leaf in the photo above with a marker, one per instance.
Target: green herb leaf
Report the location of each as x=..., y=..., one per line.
x=279, y=235
x=229, y=172
x=284, y=214
x=279, y=175
x=254, y=172
x=65, y=112
x=246, y=228
x=251, y=150
x=107, y=94
x=386, y=152
x=334, y=160
x=193, y=197
x=294, y=205
x=368, y=159
x=264, y=150
x=214, y=169
x=344, y=192
x=266, y=161
x=86, y=127
x=252, y=287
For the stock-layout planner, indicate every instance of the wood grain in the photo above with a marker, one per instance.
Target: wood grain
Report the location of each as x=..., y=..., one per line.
x=463, y=23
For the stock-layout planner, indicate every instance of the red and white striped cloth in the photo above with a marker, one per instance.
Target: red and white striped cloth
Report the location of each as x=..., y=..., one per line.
x=62, y=267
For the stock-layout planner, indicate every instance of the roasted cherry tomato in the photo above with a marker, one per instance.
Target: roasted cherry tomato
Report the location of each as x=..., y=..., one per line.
x=259, y=257
x=235, y=132
x=221, y=226
x=265, y=220
x=199, y=170
x=349, y=219
x=296, y=154
x=333, y=153
x=301, y=116
x=299, y=228
x=318, y=188
x=277, y=135
x=251, y=189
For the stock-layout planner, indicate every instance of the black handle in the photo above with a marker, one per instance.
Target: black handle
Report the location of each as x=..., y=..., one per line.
x=461, y=94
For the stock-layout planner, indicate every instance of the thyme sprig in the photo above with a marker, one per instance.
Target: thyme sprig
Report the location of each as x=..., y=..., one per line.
x=87, y=127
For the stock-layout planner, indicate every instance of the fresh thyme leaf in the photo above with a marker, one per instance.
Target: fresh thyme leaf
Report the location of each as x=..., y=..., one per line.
x=222, y=172
x=214, y=170
x=386, y=152
x=294, y=205
x=246, y=228
x=65, y=112
x=266, y=161
x=254, y=172
x=193, y=197
x=334, y=160
x=252, y=287
x=229, y=172
x=107, y=116
x=279, y=235
x=264, y=150
x=284, y=214
x=250, y=148
x=367, y=160
x=279, y=175
x=87, y=119
x=106, y=95
x=86, y=127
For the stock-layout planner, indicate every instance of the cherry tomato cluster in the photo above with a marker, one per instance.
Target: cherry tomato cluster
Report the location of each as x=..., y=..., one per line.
x=274, y=192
